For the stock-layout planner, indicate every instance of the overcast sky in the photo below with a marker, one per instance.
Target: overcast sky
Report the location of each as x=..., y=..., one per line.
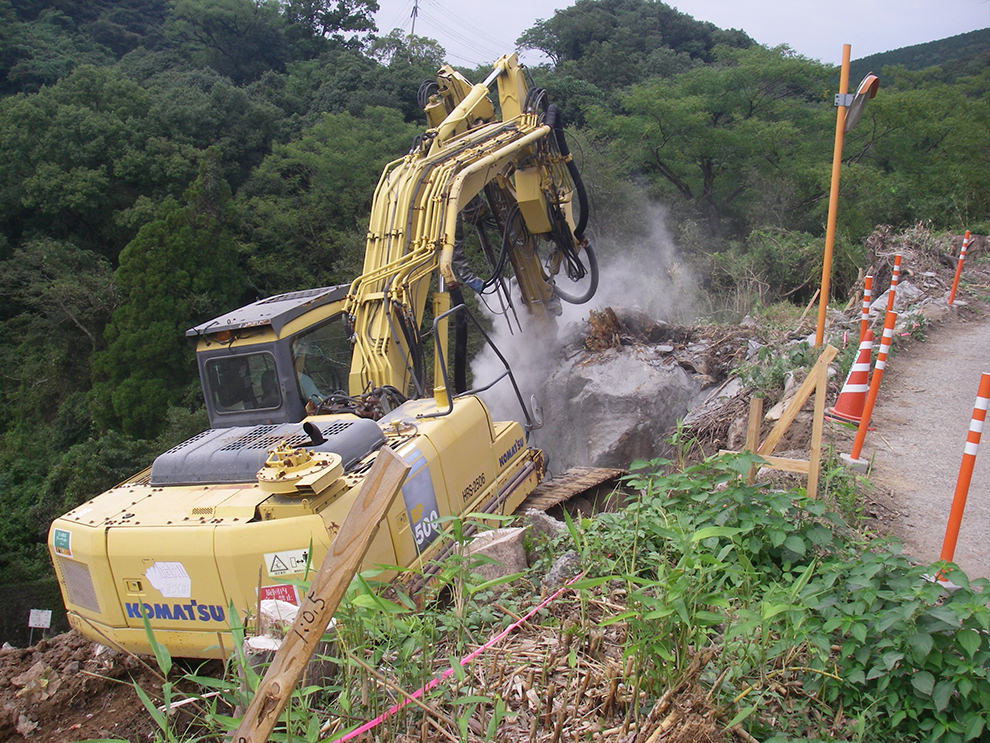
x=475, y=32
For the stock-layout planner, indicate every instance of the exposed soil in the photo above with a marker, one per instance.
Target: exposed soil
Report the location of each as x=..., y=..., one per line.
x=68, y=689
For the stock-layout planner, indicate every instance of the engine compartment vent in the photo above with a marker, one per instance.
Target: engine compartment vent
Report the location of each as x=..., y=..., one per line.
x=234, y=455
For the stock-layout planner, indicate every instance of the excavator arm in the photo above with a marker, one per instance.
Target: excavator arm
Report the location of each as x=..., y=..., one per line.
x=516, y=162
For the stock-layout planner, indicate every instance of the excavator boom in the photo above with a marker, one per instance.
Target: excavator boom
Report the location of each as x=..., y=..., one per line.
x=514, y=160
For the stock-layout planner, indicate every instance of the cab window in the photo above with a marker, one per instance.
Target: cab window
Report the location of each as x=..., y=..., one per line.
x=322, y=359
x=246, y=382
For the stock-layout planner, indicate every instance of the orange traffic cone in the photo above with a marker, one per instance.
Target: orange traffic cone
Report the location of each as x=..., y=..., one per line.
x=852, y=398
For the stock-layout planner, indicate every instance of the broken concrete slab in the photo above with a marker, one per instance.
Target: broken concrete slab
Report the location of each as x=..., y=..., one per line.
x=905, y=295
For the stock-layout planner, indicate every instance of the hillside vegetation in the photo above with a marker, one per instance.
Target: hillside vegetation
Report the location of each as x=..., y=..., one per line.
x=955, y=55
x=161, y=162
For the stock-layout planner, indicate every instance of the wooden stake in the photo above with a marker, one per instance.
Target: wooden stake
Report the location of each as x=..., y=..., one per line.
x=753, y=432
x=816, y=382
x=805, y=313
x=817, y=423
x=803, y=393
x=331, y=580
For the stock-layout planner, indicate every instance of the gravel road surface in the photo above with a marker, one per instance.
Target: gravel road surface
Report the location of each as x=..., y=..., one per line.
x=922, y=416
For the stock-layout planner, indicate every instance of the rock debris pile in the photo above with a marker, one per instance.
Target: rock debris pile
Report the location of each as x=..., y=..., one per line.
x=67, y=688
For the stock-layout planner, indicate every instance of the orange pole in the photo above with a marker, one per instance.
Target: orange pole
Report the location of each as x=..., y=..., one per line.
x=864, y=322
x=871, y=396
x=959, y=264
x=895, y=275
x=966, y=469
x=833, y=197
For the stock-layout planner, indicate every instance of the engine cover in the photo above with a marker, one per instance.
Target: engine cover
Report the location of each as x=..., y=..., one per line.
x=231, y=455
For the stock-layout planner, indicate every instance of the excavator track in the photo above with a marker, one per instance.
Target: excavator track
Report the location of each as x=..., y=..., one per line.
x=573, y=482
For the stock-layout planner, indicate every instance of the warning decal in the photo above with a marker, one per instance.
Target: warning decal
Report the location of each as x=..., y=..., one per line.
x=170, y=579
x=283, y=592
x=62, y=542
x=286, y=562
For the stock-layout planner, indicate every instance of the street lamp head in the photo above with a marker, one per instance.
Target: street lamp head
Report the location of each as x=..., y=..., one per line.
x=867, y=89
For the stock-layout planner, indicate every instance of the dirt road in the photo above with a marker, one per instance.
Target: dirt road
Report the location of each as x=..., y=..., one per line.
x=923, y=414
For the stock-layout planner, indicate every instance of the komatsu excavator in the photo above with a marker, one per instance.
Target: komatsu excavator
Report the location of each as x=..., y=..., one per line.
x=303, y=389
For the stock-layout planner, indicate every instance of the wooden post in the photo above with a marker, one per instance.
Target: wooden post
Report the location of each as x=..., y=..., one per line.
x=816, y=382
x=803, y=393
x=329, y=584
x=817, y=423
x=753, y=432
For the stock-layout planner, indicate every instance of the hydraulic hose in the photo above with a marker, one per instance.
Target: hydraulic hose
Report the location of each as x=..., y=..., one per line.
x=555, y=120
x=505, y=248
x=592, y=282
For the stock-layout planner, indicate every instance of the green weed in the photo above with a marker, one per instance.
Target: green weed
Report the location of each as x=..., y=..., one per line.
x=768, y=373
x=770, y=584
x=842, y=487
x=784, y=618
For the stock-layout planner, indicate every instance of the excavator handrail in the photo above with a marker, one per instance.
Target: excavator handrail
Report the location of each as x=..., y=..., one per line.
x=529, y=425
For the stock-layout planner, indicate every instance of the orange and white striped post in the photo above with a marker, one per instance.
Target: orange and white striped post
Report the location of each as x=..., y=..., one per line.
x=895, y=274
x=871, y=396
x=864, y=321
x=959, y=265
x=966, y=469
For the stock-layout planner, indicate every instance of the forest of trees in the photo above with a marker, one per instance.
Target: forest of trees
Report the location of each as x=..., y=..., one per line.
x=162, y=161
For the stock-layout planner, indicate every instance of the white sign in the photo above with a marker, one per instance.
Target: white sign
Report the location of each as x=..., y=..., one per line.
x=40, y=619
x=170, y=579
x=284, y=563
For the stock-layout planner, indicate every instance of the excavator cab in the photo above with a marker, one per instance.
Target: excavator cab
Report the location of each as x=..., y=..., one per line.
x=262, y=363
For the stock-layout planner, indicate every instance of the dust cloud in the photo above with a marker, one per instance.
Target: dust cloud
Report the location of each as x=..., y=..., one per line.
x=639, y=267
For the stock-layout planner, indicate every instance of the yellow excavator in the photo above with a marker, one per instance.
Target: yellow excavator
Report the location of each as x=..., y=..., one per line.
x=303, y=389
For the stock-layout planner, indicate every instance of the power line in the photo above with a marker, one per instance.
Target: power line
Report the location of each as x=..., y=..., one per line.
x=485, y=47
x=476, y=31
x=464, y=41
x=401, y=18
x=467, y=25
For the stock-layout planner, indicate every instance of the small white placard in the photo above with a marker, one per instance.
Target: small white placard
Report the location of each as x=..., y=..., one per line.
x=40, y=619
x=170, y=579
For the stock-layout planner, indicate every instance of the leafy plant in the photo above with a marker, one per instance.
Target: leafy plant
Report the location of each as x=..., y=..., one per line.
x=777, y=588
x=768, y=373
x=842, y=486
x=913, y=656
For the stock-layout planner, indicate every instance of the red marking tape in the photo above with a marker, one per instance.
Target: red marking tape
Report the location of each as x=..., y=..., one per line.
x=435, y=681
